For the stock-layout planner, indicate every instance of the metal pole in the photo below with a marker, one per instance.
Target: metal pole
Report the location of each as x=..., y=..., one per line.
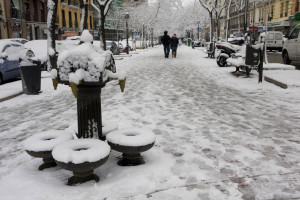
x=21, y=18
x=127, y=49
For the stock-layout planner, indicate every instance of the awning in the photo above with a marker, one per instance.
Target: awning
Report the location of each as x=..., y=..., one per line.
x=280, y=23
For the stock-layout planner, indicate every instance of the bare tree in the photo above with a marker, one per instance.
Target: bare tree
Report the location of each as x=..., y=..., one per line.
x=239, y=6
x=102, y=8
x=213, y=9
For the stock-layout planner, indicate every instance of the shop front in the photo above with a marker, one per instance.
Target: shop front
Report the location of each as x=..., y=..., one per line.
x=282, y=26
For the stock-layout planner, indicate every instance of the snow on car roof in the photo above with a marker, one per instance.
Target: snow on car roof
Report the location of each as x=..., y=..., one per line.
x=39, y=48
x=5, y=42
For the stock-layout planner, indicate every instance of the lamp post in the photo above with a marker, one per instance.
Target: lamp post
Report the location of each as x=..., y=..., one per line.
x=126, y=18
x=152, y=36
x=198, y=22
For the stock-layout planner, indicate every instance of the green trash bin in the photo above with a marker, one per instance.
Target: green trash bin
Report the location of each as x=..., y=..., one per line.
x=189, y=42
x=31, y=77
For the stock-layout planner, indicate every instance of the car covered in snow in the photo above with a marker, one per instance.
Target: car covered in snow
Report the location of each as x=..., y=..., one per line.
x=10, y=53
x=37, y=50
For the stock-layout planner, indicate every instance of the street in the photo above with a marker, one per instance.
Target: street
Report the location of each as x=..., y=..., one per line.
x=276, y=57
x=213, y=140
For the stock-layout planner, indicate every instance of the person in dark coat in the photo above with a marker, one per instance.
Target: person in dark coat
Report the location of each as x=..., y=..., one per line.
x=174, y=44
x=165, y=40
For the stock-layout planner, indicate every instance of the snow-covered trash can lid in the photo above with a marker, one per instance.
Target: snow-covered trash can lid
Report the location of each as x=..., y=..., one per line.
x=85, y=64
x=46, y=141
x=81, y=151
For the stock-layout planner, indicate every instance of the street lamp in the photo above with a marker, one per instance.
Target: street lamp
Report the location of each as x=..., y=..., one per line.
x=198, y=22
x=126, y=18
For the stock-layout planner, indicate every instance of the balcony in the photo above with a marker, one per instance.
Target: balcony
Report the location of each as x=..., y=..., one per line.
x=74, y=3
x=90, y=7
x=15, y=13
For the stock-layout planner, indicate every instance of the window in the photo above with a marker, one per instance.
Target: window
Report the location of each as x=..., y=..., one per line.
x=270, y=36
x=70, y=20
x=278, y=36
x=286, y=9
x=76, y=22
x=91, y=25
x=42, y=10
x=281, y=9
x=295, y=33
x=13, y=52
x=63, y=18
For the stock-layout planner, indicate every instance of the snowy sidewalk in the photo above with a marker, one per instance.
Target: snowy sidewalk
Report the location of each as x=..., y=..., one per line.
x=218, y=136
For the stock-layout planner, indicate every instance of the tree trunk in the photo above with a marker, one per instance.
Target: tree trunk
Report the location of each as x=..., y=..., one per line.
x=52, y=13
x=211, y=27
x=84, y=10
x=102, y=28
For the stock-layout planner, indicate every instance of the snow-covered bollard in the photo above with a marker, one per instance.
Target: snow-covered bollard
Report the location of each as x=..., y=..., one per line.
x=131, y=142
x=42, y=144
x=81, y=157
x=86, y=69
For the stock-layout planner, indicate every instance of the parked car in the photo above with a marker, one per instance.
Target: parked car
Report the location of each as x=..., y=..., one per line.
x=274, y=40
x=73, y=38
x=113, y=47
x=20, y=40
x=196, y=44
x=291, y=46
x=237, y=39
x=10, y=53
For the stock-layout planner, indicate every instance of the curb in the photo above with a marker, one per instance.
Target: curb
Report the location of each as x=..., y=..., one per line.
x=270, y=80
x=10, y=97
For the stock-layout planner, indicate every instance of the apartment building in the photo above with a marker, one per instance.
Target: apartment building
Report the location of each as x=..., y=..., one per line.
x=24, y=18
x=69, y=17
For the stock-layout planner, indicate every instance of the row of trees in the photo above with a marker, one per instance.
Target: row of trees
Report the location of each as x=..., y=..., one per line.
x=102, y=7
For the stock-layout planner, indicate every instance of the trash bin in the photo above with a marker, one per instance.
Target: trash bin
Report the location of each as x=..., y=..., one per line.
x=31, y=76
x=189, y=41
x=252, y=55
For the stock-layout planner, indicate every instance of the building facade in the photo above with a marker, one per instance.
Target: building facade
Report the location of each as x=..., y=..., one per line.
x=3, y=21
x=26, y=19
x=69, y=17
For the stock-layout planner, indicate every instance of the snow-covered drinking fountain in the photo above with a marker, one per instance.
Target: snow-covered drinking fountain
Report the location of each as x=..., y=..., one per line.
x=87, y=69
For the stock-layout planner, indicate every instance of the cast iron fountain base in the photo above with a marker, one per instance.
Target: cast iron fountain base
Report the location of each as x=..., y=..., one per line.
x=82, y=172
x=131, y=154
x=82, y=177
x=131, y=159
x=47, y=158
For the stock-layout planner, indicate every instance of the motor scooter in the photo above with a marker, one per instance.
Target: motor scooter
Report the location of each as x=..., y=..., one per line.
x=225, y=49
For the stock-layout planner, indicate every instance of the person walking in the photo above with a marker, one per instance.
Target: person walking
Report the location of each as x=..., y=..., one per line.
x=174, y=44
x=165, y=40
